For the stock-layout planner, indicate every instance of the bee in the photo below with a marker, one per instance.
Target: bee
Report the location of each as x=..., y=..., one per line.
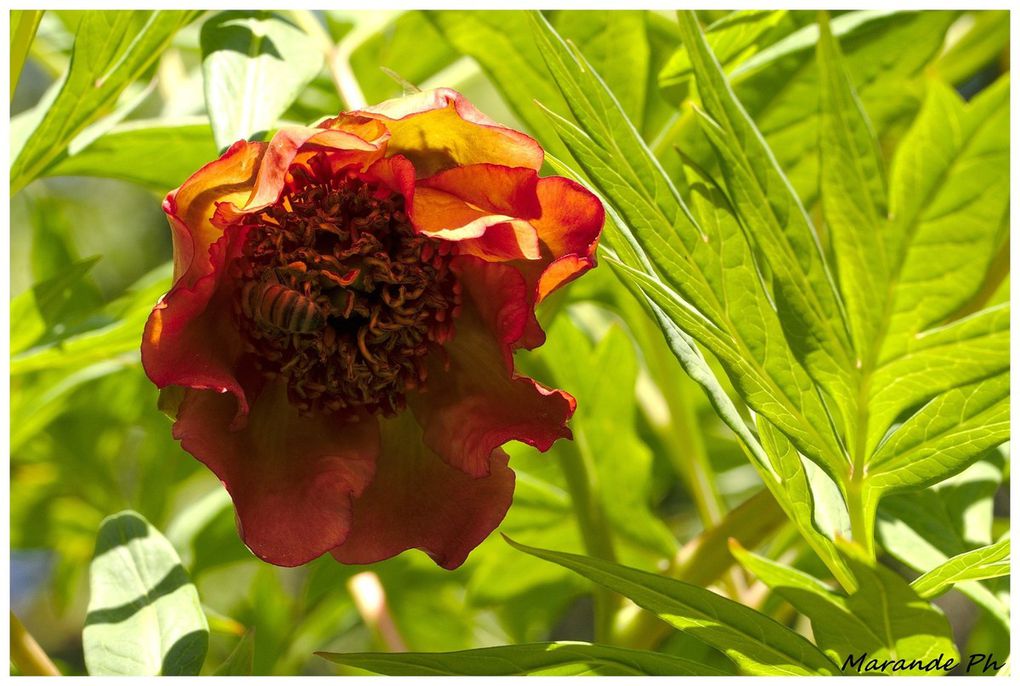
x=271, y=304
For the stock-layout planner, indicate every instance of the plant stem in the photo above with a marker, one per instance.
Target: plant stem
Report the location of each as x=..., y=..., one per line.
x=370, y=599
x=582, y=482
x=27, y=655
x=862, y=516
x=337, y=60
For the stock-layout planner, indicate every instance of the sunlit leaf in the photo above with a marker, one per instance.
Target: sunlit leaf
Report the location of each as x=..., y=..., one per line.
x=144, y=616
x=545, y=659
x=157, y=154
x=756, y=643
x=852, y=183
x=254, y=64
x=987, y=562
x=883, y=619
x=763, y=198
x=111, y=50
x=23, y=27
x=733, y=39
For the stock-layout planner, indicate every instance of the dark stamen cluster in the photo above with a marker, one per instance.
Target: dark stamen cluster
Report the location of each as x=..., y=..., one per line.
x=340, y=296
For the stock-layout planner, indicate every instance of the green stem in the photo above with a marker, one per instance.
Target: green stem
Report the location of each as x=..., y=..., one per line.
x=582, y=482
x=27, y=655
x=337, y=60
x=861, y=506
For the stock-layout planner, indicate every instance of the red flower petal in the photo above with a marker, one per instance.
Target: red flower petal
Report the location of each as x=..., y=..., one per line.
x=467, y=204
x=484, y=208
x=439, y=129
x=418, y=501
x=569, y=228
x=292, y=478
x=397, y=174
x=189, y=340
x=285, y=148
x=479, y=403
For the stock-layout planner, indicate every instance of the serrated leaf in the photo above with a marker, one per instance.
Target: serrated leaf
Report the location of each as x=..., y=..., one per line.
x=852, y=184
x=756, y=643
x=155, y=154
x=144, y=616
x=775, y=220
x=987, y=562
x=733, y=39
x=726, y=306
x=254, y=65
x=111, y=50
x=562, y=658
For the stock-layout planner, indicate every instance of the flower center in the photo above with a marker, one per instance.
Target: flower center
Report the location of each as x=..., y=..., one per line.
x=340, y=296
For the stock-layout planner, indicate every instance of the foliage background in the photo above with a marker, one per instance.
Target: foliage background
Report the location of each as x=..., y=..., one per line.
x=89, y=257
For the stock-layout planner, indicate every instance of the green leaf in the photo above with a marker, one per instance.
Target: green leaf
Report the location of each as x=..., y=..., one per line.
x=240, y=661
x=155, y=153
x=884, y=618
x=604, y=427
x=563, y=658
x=111, y=50
x=615, y=42
x=949, y=186
x=725, y=309
x=788, y=476
x=949, y=433
x=779, y=86
x=36, y=312
x=923, y=529
x=144, y=616
x=986, y=562
x=254, y=65
x=852, y=183
x=939, y=360
x=125, y=319
x=776, y=222
x=24, y=24
x=733, y=39
x=756, y=643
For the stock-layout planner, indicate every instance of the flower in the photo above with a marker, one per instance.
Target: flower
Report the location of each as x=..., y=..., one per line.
x=337, y=346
